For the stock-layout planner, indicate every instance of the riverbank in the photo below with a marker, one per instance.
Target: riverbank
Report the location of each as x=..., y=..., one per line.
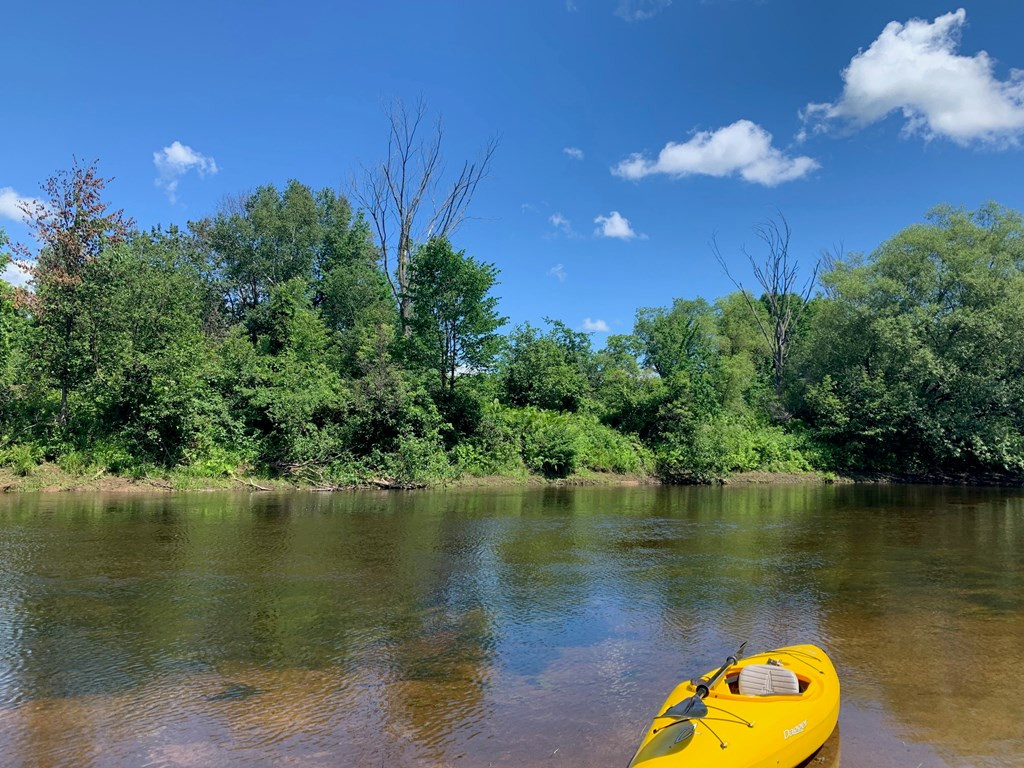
x=50, y=478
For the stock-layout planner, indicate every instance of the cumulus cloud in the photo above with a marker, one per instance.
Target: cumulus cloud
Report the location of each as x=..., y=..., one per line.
x=640, y=10
x=614, y=225
x=11, y=202
x=574, y=152
x=558, y=271
x=174, y=161
x=914, y=68
x=743, y=148
x=591, y=326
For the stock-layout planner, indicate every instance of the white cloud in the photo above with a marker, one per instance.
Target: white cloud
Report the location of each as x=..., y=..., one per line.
x=558, y=271
x=10, y=202
x=915, y=68
x=614, y=225
x=592, y=326
x=174, y=161
x=562, y=224
x=573, y=152
x=640, y=10
x=15, y=275
x=743, y=147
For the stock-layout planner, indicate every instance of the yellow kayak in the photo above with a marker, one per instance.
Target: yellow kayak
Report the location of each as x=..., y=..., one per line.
x=772, y=710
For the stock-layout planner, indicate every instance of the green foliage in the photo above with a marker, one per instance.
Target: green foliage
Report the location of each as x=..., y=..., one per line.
x=23, y=458
x=561, y=444
x=146, y=383
x=418, y=460
x=494, y=446
x=267, y=340
x=713, y=450
x=677, y=339
x=628, y=397
x=73, y=228
x=11, y=331
x=454, y=316
x=546, y=370
x=917, y=363
x=270, y=237
x=283, y=385
x=551, y=443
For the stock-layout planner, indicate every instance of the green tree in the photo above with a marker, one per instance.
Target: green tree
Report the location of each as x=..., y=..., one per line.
x=745, y=371
x=352, y=294
x=551, y=370
x=456, y=319
x=628, y=395
x=9, y=327
x=144, y=308
x=918, y=361
x=269, y=237
x=677, y=339
x=285, y=385
x=73, y=225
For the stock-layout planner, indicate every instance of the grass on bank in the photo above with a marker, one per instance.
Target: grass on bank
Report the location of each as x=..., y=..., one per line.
x=514, y=446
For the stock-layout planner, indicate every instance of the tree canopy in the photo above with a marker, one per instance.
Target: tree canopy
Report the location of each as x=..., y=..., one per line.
x=266, y=339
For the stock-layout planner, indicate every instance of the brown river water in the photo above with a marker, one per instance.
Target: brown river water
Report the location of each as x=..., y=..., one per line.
x=522, y=627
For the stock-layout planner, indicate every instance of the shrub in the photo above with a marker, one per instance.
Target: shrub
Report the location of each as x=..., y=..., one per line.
x=711, y=451
x=605, y=450
x=561, y=444
x=214, y=460
x=419, y=460
x=693, y=457
x=550, y=442
x=75, y=461
x=23, y=458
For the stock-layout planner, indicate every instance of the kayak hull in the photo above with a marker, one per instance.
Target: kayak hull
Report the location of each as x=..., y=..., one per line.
x=743, y=731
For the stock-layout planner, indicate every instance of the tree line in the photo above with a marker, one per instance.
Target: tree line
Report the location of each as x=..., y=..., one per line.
x=288, y=334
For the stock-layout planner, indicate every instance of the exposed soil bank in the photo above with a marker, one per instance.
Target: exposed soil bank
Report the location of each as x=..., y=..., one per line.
x=782, y=478
x=49, y=478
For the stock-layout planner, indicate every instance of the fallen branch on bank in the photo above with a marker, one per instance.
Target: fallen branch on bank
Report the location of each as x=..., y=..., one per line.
x=251, y=484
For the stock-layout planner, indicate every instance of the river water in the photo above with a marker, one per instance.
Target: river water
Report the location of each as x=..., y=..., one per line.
x=522, y=627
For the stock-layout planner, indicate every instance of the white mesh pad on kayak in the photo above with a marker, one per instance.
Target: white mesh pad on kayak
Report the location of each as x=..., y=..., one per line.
x=768, y=680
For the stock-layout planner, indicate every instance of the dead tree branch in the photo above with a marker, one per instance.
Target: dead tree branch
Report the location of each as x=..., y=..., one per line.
x=407, y=198
x=783, y=299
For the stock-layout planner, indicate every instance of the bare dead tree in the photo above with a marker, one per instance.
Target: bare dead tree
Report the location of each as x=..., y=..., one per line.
x=408, y=197
x=828, y=261
x=785, y=301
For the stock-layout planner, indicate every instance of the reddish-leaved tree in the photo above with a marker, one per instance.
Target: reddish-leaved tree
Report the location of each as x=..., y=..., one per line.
x=71, y=226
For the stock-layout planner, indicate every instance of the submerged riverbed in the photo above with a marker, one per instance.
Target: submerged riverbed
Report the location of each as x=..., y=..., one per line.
x=511, y=627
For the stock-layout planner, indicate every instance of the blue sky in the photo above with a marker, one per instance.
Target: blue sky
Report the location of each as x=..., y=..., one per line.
x=682, y=120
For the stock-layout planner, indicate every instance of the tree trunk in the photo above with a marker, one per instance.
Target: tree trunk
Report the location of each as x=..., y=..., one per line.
x=62, y=418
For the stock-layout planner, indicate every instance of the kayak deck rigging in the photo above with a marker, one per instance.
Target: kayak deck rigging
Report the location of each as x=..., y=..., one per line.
x=771, y=709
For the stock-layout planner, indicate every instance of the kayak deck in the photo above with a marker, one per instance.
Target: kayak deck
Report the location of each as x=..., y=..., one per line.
x=750, y=730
